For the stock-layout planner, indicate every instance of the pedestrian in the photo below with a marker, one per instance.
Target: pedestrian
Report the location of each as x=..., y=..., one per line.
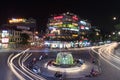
x=93, y=73
x=58, y=75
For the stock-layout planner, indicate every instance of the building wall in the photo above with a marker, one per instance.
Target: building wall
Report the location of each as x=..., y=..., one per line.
x=15, y=28
x=63, y=26
x=67, y=28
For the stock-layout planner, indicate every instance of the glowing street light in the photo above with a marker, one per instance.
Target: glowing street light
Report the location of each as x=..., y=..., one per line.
x=113, y=33
x=114, y=18
x=36, y=32
x=97, y=34
x=119, y=33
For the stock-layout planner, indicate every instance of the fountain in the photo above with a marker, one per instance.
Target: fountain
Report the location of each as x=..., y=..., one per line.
x=64, y=63
x=64, y=59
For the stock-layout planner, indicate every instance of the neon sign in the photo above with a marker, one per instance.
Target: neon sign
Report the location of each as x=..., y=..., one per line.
x=50, y=34
x=82, y=27
x=58, y=17
x=13, y=20
x=75, y=17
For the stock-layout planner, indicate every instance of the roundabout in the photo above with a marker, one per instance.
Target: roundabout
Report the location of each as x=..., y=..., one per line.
x=65, y=64
x=67, y=70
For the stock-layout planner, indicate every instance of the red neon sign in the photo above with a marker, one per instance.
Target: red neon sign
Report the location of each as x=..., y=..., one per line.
x=82, y=27
x=75, y=17
x=58, y=17
x=50, y=34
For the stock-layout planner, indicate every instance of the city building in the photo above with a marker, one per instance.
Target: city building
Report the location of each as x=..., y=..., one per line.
x=84, y=32
x=66, y=30
x=10, y=32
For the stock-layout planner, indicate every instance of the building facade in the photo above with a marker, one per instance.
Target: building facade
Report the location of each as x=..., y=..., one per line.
x=66, y=30
x=10, y=33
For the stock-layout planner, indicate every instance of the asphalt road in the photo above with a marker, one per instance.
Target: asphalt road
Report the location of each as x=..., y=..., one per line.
x=5, y=72
x=108, y=71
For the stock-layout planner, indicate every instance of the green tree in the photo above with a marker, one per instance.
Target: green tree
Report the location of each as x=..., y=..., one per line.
x=93, y=36
x=117, y=35
x=117, y=27
x=24, y=39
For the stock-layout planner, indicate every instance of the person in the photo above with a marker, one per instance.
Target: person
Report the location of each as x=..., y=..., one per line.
x=93, y=72
x=49, y=63
x=92, y=60
x=58, y=75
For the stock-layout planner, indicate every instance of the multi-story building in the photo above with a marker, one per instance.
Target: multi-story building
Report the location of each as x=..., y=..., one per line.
x=10, y=33
x=21, y=23
x=84, y=31
x=66, y=30
x=62, y=27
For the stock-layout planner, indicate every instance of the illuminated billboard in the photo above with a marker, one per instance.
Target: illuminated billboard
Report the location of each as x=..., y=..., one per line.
x=63, y=25
x=5, y=36
x=14, y=20
x=58, y=17
x=5, y=40
x=5, y=33
x=75, y=17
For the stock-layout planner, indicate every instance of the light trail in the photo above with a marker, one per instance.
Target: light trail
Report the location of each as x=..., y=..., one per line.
x=22, y=57
x=19, y=62
x=31, y=73
x=106, y=53
x=12, y=67
x=67, y=70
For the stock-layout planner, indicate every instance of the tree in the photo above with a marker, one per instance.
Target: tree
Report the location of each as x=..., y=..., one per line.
x=94, y=36
x=24, y=39
x=117, y=30
x=117, y=27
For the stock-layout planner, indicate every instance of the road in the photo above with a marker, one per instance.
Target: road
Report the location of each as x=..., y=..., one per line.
x=109, y=72
x=5, y=72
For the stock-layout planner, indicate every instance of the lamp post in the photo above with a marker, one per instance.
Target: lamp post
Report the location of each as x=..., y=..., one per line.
x=114, y=18
x=119, y=33
x=113, y=33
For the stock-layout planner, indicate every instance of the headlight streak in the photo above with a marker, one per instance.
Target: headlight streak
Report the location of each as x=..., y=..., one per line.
x=19, y=62
x=68, y=70
x=13, y=67
x=28, y=70
x=10, y=60
x=106, y=53
x=22, y=57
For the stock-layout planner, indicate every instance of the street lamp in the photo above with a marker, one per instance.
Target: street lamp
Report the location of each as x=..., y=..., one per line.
x=36, y=32
x=97, y=34
x=118, y=33
x=113, y=33
x=114, y=18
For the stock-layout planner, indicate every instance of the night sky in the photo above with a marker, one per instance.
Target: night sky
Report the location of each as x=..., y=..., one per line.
x=99, y=13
